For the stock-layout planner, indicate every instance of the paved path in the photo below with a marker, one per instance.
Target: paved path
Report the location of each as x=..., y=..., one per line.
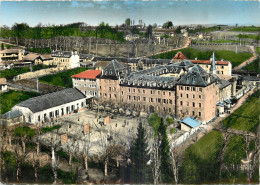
x=250, y=60
x=185, y=46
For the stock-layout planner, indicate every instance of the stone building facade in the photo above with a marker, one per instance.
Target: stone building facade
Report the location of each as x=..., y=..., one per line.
x=66, y=59
x=188, y=91
x=11, y=55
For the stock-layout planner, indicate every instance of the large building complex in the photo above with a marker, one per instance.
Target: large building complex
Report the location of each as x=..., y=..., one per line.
x=11, y=54
x=181, y=89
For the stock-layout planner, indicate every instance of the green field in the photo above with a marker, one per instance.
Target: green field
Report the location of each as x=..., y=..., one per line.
x=255, y=37
x=246, y=29
x=41, y=50
x=199, y=163
x=191, y=53
x=254, y=66
x=11, y=98
x=62, y=79
x=245, y=117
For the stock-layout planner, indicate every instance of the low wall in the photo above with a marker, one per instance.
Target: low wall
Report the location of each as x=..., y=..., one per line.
x=222, y=47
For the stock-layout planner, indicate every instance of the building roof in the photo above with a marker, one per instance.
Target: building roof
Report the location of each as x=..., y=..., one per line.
x=209, y=62
x=30, y=57
x=64, y=54
x=102, y=64
x=89, y=74
x=197, y=76
x=3, y=81
x=114, y=70
x=11, y=114
x=54, y=99
x=179, y=55
x=191, y=122
x=11, y=51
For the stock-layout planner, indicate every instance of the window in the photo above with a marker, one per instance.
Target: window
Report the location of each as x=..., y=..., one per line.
x=200, y=105
x=199, y=113
x=129, y=90
x=170, y=101
x=187, y=96
x=144, y=98
x=181, y=102
x=129, y=97
x=122, y=92
x=151, y=99
x=188, y=88
x=144, y=107
x=193, y=104
x=193, y=96
x=134, y=97
x=187, y=103
x=170, y=109
x=199, y=96
x=181, y=94
x=115, y=95
x=39, y=118
x=151, y=92
x=109, y=95
x=163, y=93
x=159, y=100
x=194, y=88
x=158, y=92
x=170, y=93
x=200, y=89
x=222, y=67
x=164, y=100
x=143, y=91
x=133, y=90
x=109, y=88
x=193, y=113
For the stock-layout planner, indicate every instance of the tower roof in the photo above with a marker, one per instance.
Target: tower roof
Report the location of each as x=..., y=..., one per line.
x=179, y=55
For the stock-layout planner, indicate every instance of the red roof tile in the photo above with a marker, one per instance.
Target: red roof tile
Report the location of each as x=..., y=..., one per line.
x=179, y=55
x=209, y=62
x=89, y=74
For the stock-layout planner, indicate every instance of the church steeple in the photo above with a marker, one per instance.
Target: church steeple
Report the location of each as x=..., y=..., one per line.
x=213, y=65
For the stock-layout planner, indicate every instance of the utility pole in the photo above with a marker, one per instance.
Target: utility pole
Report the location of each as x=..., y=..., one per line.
x=37, y=83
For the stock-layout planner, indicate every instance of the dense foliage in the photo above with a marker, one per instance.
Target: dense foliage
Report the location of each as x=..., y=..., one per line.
x=23, y=31
x=255, y=37
x=203, y=29
x=49, y=129
x=11, y=98
x=41, y=50
x=24, y=132
x=154, y=121
x=140, y=171
x=190, y=53
x=62, y=79
x=245, y=117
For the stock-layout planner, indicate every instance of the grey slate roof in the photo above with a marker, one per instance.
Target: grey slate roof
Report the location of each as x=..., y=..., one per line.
x=65, y=54
x=114, y=70
x=197, y=76
x=54, y=99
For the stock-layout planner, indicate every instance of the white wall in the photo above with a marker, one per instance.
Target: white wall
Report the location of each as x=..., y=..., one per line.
x=34, y=116
x=74, y=61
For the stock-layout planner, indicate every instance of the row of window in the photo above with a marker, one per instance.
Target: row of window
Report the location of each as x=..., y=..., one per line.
x=193, y=96
x=193, y=113
x=85, y=85
x=190, y=88
x=192, y=104
x=151, y=91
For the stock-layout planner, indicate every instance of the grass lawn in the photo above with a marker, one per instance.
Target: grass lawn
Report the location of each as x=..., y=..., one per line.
x=246, y=29
x=11, y=98
x=254, y=66
x=200, y=161
x=62, y=79
x=255, y=37
x=246, y=117
x=191, y=53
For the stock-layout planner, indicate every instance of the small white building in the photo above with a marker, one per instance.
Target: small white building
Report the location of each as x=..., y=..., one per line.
x=3, y=84
x=67, y=59
x=46, y=107
x=189, y=123
x=87, y=82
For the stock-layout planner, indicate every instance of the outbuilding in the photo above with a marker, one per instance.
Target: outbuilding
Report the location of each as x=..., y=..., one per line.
x=189, y=123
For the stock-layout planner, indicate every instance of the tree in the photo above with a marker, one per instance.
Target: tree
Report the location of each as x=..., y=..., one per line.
x=168, y=24
x=178, y=30
x=141, y=172
x=166, y=171
x=20, y=30
x=149, y=31
x=128, y=22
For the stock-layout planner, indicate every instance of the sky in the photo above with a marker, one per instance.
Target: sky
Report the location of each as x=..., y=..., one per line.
x=93, y=12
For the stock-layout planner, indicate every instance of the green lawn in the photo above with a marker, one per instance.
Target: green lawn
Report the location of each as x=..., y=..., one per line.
x=254, y=66
x=191, y=53
x=11, y=98
x=255, y=37
x=62, y=79
x=199, y=163
x=245, y=117
x=246, y=29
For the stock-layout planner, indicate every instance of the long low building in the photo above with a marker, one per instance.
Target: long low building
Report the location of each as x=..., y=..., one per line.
x=46, y=107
